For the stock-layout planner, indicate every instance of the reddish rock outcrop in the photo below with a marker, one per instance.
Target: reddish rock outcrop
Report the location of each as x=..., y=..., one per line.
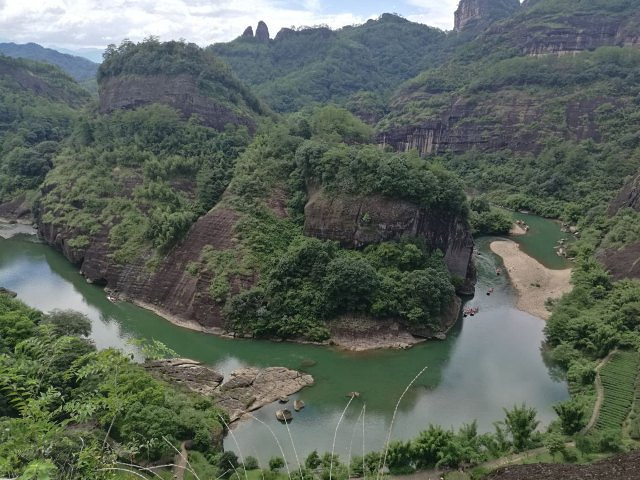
x=15, y=210
x=177, y=91
x=168, y=287
x=624, y=262
x=356, y=221
x=500, y=121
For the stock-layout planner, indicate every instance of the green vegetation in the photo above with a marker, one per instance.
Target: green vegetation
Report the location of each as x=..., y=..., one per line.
x=36, y=113
x=152, y=57
x=557, y=170
x=486, y=220
x=305, y=283
x=618, y=380
x=310, y=65
x=79, y=68
x=134, y=171
x=73, y=412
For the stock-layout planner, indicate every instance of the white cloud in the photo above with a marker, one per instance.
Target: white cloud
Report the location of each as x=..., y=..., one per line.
x=437, y=13
x=96, y=23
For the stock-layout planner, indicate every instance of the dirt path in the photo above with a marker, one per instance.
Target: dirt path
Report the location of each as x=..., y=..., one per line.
x=599, y=393
x=180, y=463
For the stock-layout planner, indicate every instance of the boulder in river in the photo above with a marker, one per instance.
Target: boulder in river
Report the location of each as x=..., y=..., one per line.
x=298, y=405
x=284, y=415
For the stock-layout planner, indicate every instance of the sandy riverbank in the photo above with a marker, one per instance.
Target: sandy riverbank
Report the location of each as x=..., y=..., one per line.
x=533, y=281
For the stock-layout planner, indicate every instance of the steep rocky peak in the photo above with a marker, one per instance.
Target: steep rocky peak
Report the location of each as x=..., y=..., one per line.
x=262, y=32
x=472, y=12
x=248, y=32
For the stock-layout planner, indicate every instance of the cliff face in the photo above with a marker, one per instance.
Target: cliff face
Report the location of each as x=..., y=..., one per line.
x=177, y=91
x=624, y=262
x=500, y=120
x=552, y=34
x=474, y=12
x=360, y=221
x=628, y=197
x=168, y=287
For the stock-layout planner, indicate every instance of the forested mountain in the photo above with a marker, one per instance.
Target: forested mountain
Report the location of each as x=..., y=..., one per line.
x=311, y=65
x=79, y=68
x=182, y=190
x=213, y=218
x=38, y=104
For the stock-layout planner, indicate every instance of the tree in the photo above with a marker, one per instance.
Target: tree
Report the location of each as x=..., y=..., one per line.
x=429, y=444
x=227, y=463
x=400, y=457
x=572, y=416
x=313, y=460
x=555, y=444
x=68, y=322
x=275, y=463
x=521, y=423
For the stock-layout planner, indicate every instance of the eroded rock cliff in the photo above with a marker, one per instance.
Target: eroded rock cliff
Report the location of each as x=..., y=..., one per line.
x=357, y=221
x=478, y=12
x=168, y=288
x=500, y=120
x=624, y=262
x=177, y=91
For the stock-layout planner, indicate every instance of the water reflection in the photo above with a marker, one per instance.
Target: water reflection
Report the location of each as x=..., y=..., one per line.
x=489, y=361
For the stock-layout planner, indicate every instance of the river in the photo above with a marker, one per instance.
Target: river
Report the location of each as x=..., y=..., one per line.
x=488, y=362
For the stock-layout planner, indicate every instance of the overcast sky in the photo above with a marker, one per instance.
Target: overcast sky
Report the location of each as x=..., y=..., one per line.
x=78, y=24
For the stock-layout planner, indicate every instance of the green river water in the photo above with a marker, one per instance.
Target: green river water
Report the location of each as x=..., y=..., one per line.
x=488, y=362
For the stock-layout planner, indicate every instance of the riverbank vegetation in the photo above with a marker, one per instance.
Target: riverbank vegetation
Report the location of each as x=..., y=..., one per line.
x=70, y=411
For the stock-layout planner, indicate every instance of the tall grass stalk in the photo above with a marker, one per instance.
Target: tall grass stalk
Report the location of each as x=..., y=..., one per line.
x=246, y=477
x=295, y=452
x=393, y=418
x=286, y=464
x=353, y=434
x=335, y=434
x=189, y=469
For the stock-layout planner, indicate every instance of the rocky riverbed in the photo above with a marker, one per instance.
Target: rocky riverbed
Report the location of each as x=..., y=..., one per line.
x=246, y=389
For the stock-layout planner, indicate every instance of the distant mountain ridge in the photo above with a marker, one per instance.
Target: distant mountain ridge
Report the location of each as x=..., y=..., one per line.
x=79, y=68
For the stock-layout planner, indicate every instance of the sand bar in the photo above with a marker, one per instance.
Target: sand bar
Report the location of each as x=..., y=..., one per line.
x=533, y=281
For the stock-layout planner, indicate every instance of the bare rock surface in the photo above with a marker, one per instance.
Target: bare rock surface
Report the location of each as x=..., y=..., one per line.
x=245, y=390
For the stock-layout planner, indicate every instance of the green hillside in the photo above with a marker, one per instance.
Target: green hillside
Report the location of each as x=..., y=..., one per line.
x=310, y=65
x=38, y=105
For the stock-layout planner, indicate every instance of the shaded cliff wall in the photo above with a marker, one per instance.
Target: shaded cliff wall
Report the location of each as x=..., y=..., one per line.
x=624, y=262
x=359, y=221
x=177, y=91
x=566, y=34
x=168, y=286
x=500, y=120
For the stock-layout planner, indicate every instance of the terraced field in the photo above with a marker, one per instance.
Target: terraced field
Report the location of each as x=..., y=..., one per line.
x=618, y=380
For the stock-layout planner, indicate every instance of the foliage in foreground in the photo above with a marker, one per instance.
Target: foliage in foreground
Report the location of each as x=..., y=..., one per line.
x=75, y=412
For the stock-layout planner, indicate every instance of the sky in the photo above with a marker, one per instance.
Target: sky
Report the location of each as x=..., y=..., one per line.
x=78, y=24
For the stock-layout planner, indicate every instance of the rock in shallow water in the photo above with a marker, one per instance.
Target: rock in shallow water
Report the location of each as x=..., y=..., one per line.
x=246, y=390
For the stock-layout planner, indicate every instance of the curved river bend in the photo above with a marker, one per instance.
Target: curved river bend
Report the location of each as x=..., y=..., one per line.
x=488, y=362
